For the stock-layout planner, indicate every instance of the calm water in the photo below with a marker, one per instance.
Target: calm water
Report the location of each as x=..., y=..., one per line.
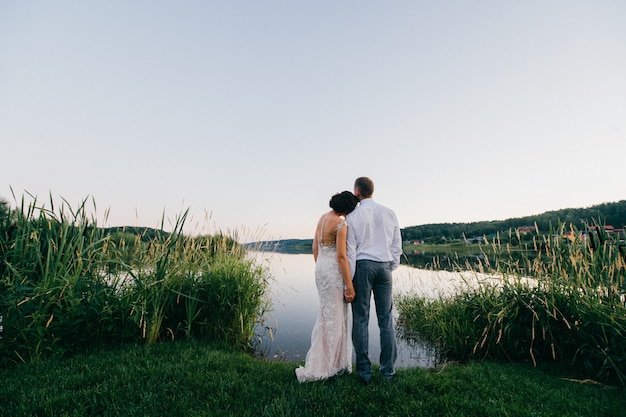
x=295, y=305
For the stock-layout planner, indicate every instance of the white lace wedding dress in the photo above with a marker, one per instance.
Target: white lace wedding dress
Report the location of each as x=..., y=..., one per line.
x=331, y=344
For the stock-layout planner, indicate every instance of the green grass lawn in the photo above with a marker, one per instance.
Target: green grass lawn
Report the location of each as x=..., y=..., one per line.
x=193, y=379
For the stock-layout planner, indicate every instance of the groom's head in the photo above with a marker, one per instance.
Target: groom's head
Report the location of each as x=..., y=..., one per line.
x=363, y=187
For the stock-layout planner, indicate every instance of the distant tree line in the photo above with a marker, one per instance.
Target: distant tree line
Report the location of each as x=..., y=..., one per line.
x=146, y=234
x=283, y=246
x=613, y=214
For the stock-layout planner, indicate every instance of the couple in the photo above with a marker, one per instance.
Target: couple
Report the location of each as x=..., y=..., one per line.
x=356, y=246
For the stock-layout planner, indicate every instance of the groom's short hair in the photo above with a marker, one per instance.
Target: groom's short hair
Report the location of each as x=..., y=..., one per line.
x=365, y=186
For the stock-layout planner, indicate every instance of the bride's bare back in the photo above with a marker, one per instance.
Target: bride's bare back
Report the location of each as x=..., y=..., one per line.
x=327, y=228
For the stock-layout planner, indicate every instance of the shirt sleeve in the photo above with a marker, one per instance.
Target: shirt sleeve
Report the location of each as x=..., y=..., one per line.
x=396, y=247
x=351, y=247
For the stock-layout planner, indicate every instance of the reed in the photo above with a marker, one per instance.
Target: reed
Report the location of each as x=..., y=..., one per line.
x=197, y=287
x=570, y=310
x=66, y=285
x=50, y=262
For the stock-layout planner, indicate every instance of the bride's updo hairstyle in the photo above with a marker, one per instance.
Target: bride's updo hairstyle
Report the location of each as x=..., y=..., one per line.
x=344, y=202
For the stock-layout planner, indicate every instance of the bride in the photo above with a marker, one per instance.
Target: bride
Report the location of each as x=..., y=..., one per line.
x=331, y=345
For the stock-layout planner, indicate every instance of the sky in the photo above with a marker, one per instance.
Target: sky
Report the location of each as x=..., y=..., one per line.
x=252, y=114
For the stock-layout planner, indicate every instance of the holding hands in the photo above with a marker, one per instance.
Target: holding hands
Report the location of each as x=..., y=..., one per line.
x=348, y=294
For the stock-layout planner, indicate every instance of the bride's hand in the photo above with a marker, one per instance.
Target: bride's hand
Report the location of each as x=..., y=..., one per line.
x=348, y=295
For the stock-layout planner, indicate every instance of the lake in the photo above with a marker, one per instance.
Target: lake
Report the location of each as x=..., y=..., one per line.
x=295, y=304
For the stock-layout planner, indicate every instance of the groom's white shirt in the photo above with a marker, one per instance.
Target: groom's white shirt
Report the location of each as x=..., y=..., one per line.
x=367, y=241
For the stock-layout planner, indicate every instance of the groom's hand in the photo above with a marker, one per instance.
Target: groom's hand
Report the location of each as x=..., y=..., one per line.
x=348, y=295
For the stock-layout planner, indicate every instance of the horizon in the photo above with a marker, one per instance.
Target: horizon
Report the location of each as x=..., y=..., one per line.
x=401, y=227
x=235, y=233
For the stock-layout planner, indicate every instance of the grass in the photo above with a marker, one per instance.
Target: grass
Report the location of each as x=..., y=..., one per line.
x=196, y=379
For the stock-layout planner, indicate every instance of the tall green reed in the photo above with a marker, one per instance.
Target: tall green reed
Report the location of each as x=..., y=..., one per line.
x=197, y=287
x=67, y=285
x=571, y=309
x=51, y=298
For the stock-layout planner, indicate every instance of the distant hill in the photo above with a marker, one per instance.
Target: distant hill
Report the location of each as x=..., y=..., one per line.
x=613, y=214
x=283, y=246
x=147, y=233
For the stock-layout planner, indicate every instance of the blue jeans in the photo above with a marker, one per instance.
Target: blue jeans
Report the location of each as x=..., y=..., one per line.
x=373, y=277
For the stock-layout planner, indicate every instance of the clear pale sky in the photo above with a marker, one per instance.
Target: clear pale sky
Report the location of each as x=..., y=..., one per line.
x=256, y=112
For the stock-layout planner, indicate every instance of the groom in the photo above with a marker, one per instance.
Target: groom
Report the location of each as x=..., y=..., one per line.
x=374, y=247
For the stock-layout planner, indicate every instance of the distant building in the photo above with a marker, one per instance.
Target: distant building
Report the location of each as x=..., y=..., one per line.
x=527, y=229
x=475, y=239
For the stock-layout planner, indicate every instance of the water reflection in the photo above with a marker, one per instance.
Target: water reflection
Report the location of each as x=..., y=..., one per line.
x=441, y=261
x=295, y=304
x=471, y=259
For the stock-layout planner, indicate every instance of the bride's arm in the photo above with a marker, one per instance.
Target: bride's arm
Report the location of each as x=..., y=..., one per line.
x=344, y=266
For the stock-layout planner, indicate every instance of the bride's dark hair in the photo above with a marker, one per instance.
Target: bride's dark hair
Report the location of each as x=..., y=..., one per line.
x=344, y=202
